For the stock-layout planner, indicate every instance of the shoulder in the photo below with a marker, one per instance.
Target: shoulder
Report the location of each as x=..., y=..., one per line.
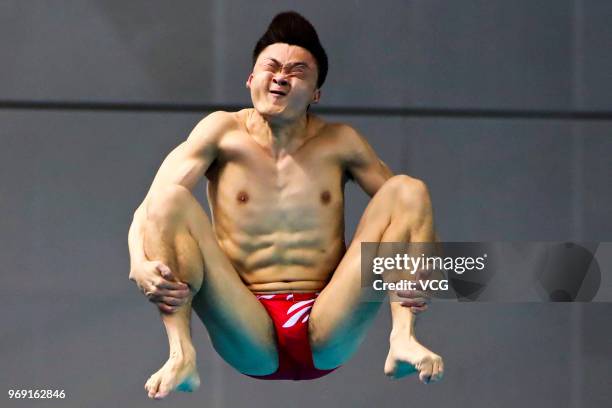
x=347, y=135
x=210, y=130
x=217, y=123
x=351, y=143
x=341, y=133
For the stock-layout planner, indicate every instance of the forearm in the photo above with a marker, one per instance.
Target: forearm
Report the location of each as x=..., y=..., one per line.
x=136, y=237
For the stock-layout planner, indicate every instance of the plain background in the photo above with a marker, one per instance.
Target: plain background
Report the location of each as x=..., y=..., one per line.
x=70, y=180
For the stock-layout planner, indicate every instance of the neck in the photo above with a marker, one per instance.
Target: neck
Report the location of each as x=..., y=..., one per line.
x=279, y=137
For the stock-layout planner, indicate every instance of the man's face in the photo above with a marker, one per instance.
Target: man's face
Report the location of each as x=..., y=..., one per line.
x=284, y=81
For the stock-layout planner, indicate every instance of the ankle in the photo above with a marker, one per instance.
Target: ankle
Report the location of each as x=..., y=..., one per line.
x=182, y=351
x=401, y=335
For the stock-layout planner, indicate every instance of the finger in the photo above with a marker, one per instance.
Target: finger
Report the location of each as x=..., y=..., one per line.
x=176, y=297
x=149, y=292
x=418, y=309
x=413, y=302
x=170, y=301
x=166, y=300
x=165, y=284
x=413, y=294
x=179, y=294
x=164, y=308
x=163, y=268
x=165, y=272
x=406, y=293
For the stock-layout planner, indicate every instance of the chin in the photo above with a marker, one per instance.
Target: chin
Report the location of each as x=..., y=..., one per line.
x=273, y=111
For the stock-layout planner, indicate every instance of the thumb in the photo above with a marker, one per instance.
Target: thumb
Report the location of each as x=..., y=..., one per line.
x=166, y=273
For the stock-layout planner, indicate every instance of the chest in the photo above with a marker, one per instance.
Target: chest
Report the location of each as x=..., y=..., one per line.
x=299, y=189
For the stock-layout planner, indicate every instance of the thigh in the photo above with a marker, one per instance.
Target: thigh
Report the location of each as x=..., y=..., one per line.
x=342, y=313
x=238, y=325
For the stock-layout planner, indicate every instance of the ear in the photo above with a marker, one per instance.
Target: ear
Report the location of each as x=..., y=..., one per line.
x=316, y=96
x=249, y=79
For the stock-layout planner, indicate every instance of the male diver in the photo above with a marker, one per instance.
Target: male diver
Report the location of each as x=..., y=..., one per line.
x=270, y=276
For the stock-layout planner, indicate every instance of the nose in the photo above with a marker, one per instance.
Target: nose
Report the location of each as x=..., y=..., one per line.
x=280, y=80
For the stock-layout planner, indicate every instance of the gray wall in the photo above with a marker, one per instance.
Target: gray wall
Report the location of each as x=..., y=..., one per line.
x=71, y=179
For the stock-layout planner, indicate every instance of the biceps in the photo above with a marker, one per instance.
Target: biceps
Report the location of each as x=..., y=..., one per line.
x=371, y=178
x=181, y=168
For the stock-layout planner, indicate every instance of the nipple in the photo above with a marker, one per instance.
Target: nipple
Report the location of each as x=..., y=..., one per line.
x=242, y=197
x=325, y=197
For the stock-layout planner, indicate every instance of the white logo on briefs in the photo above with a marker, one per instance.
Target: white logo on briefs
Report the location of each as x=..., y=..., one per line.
x=305, y=306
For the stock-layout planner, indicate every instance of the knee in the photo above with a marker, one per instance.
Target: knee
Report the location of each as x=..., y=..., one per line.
x=328, y=352
x=326, y=355
x=409, y=193
x=317, y=340
x=168, y=203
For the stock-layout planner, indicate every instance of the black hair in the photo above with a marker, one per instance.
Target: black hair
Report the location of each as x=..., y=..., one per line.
x=291, y=28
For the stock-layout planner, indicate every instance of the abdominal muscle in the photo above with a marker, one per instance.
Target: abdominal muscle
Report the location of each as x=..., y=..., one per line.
x=281, y=262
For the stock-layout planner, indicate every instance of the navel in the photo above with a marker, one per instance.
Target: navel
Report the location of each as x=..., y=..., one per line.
x=325, y=197
x=242, y=197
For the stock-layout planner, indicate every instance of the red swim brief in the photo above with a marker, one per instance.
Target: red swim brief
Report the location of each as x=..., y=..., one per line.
x=290, y=313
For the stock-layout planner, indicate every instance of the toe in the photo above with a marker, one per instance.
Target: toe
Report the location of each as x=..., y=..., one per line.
x=426, y=371
x=153, y=384
x=161, y=395
x=147, y=385
x=435, y=376
x=163, y=390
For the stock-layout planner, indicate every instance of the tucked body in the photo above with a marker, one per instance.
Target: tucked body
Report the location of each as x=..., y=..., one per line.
x=276, y=177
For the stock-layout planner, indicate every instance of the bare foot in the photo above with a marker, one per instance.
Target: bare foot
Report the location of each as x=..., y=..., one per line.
x=178, y=374
x=407, y=356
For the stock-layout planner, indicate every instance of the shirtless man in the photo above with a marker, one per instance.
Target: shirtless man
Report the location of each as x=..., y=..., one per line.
x=270, y=277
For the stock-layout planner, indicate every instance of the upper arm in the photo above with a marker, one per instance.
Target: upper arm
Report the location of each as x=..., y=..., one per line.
x=186, y=164
x=362, y=163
